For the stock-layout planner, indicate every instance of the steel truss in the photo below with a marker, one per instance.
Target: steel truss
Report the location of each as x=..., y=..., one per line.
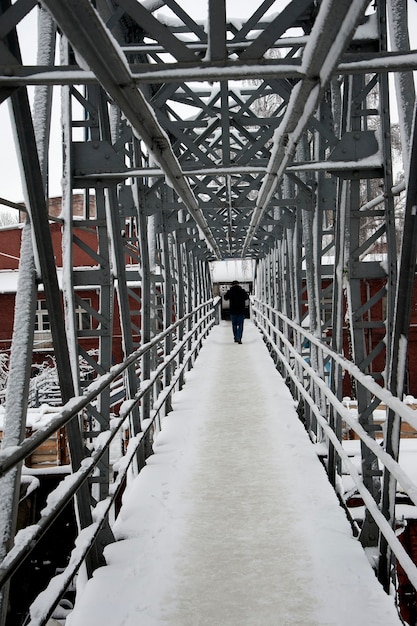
x=193, y=140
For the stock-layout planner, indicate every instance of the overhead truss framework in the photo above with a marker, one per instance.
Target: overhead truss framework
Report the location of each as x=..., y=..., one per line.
x=197, y=136
x=195, y=93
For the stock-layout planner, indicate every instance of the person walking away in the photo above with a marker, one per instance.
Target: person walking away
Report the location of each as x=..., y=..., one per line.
x=237, y=297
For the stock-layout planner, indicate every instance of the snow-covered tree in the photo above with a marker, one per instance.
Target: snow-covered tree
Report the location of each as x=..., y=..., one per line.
x=8, y=217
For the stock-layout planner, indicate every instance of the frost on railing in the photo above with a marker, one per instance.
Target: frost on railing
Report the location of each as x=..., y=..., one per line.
x=345, y=442
x=4, y=372
x=126, y=448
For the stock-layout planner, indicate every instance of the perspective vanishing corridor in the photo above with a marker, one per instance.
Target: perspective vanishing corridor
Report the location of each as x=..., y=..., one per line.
x=153, y=152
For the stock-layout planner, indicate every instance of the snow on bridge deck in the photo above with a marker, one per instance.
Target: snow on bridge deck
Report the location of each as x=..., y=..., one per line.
x=233, y=522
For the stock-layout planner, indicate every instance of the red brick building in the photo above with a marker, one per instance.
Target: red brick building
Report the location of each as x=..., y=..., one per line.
x=374, y=333
x=10, y=242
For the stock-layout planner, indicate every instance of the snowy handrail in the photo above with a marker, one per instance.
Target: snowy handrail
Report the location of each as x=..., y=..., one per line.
x=9, y=458
x=365, y=380
x=395, y=404
x=26, y=539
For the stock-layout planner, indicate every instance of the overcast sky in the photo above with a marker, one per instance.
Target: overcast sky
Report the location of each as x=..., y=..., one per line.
x=10, y=185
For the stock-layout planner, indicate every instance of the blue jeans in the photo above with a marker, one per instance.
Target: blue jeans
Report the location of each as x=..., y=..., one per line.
x=237, y=325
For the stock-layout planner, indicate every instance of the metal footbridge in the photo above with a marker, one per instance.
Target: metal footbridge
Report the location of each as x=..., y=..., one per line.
x=281, y=136
x=233, y=521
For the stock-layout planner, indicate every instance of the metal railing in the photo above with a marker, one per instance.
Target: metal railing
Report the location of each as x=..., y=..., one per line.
x=187, y=335
x=292, y=348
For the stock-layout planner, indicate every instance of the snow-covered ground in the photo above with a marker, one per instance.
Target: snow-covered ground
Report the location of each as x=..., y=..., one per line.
x=233, y=521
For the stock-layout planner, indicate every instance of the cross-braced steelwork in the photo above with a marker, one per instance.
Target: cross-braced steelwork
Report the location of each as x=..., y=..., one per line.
x=192, y=136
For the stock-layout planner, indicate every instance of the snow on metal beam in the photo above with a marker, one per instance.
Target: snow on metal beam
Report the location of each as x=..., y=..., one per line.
x=208, y=71
x=90, y=38
x=338, y=19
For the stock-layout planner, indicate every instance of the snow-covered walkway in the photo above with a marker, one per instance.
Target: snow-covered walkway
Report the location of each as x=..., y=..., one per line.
x=233, y=521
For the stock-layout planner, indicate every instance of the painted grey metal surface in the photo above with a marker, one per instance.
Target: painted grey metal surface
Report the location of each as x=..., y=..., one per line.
x=201, y=138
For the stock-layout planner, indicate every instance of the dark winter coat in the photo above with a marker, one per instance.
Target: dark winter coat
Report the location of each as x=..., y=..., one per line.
x=237, y=298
